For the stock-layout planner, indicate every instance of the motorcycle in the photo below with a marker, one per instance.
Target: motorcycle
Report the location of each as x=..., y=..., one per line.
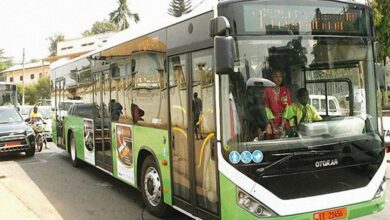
x=39, y=128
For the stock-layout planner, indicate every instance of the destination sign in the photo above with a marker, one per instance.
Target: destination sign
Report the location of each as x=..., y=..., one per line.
x=288, y=19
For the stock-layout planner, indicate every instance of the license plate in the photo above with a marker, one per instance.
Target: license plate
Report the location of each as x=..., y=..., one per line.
x=12, y=143
x=331, y=214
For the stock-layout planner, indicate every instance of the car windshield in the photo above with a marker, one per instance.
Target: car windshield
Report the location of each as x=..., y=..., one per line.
x=25, y=110
x=9, y=116
x=64, y=106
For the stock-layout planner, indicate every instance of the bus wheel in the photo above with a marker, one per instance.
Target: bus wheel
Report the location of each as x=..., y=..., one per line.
x=151, y=188
x=73, y=153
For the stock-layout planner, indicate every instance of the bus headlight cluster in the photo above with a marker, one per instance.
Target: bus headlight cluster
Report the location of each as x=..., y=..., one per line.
x=382, y=188
x=253, y=206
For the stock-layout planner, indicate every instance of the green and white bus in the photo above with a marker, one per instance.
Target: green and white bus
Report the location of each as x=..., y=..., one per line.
x=8, y=94
x=140, y=122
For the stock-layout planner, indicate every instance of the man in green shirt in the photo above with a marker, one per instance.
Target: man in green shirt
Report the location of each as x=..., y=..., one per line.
x=301, y=111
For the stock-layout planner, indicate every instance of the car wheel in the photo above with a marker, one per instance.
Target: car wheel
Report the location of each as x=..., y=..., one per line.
x=30, y=152
x=151, y=188
x=73, y=153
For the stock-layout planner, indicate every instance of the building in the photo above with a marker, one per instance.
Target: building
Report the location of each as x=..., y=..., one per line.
x=84, y=44
x=66, y=50
x=32, y=73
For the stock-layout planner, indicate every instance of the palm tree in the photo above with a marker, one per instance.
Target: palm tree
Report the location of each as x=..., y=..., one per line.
x=121, y=16
x=5, y=62
x=53, y=43
x=177, y=8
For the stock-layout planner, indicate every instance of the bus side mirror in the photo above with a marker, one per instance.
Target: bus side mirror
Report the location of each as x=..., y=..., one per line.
x=224, y=54
x=219, y=26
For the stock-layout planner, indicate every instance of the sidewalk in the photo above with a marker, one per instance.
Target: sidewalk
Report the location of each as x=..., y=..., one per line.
x=20, y=197
x=12, y=207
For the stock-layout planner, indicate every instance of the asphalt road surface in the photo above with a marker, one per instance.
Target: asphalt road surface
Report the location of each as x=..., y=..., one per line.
x=51, y=188
x=47, y=186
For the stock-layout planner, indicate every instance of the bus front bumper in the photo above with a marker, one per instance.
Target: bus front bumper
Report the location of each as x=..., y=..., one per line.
x=231, y=210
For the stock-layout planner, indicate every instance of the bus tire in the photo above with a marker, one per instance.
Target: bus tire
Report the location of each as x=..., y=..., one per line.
x=73, y=153
x=151, y=188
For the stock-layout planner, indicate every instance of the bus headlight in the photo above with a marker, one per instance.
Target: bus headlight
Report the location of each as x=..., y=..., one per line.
x=381, y=190
x=253, y=206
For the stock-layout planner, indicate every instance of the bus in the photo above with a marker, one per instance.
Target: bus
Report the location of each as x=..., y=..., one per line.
x=176, y=112
x=8, y=94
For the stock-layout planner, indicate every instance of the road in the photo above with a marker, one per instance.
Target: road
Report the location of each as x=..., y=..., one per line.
x=48, y=187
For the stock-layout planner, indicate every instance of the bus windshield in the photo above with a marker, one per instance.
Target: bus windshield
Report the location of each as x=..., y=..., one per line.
x=271, y=75
x=8, y=94
x=290, y=95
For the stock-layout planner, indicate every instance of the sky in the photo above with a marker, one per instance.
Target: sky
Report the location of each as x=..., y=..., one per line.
x=29, y=23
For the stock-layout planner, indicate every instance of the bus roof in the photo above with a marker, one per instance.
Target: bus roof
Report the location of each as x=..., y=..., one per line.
x=139, y=31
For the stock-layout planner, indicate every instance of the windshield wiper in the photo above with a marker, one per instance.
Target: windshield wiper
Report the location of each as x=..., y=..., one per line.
x=290, y=155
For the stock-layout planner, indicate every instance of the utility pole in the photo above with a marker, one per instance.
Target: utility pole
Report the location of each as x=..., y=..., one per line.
x=23, y=71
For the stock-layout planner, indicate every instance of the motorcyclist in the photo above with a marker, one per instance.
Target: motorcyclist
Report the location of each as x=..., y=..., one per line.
x=36, y=116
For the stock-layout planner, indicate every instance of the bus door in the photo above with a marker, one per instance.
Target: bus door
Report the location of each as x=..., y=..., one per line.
x=192, y=121
x=59, y=113
x=102, y=120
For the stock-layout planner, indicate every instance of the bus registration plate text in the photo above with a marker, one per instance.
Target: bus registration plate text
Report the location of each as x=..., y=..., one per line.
x=331, y=214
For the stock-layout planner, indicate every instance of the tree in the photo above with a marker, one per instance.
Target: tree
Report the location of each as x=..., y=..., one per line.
x=53, y=43
x=177, y=8
x=35, y=92
x=100, y=27
x=34, y=60
x=43, y=88
x=5, y=62
x=121, y=16
x=381, y=10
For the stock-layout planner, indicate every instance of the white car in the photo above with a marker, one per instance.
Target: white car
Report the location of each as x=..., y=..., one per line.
x=25, y=110
x=318, y=101
x=65, y=104
x=386, y=131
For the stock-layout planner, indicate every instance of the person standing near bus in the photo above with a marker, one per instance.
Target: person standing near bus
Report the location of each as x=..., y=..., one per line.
x=197, y=110
x=276, y=99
